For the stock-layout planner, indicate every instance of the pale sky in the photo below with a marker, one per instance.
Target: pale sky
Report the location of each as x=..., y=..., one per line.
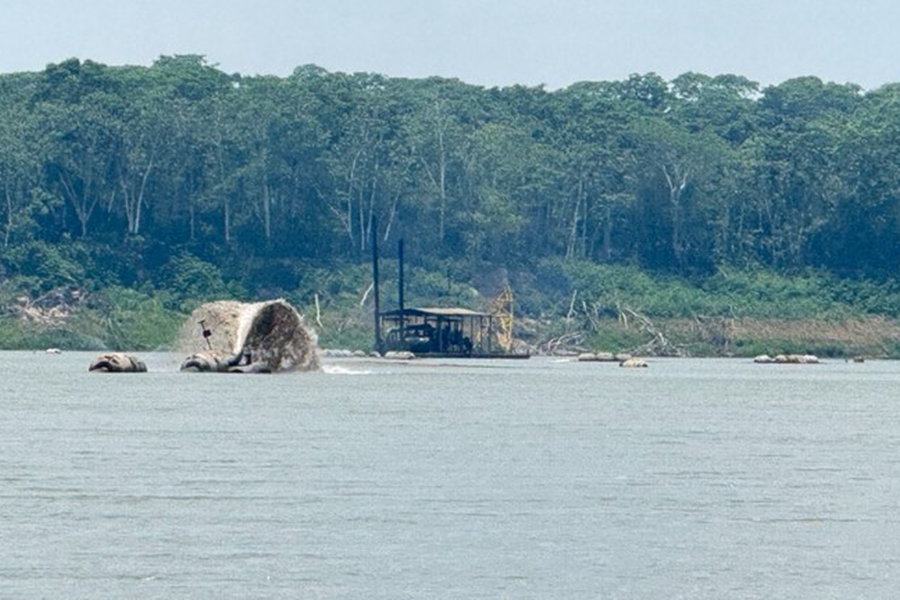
x=490, y=43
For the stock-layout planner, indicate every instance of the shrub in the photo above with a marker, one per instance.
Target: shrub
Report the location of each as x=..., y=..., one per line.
x=191, y=281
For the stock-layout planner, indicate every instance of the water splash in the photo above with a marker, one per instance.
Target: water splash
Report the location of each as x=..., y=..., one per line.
x=261, y=337
x=338, y=370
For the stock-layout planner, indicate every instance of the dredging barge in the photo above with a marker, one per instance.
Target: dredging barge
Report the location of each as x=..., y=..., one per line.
x=443, y=332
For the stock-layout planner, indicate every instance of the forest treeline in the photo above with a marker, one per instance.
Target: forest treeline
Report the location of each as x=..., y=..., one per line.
x=133, y=176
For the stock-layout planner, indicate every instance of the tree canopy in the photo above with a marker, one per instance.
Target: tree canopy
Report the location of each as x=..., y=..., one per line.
x=138, y=167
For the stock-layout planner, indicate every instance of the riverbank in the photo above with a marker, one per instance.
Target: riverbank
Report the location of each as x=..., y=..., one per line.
x=639, y=334
x=872, y=336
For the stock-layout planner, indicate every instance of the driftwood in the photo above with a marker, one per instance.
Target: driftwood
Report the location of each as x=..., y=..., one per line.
x=659, y=345
x=53, y=308
x=565, y=341
x=571, y=307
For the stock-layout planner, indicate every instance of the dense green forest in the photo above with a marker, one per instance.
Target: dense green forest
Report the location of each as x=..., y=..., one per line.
x=145, y=190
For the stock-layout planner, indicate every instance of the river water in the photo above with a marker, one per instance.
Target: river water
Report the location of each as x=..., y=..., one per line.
x=543, y=478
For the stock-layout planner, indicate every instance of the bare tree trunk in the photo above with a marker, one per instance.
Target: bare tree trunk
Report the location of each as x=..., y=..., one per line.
x=392, y=215
x=607, y=234
x=439, y=179
x=573, y=231
x=81, y=204
x=267, y=213
x=677, y=182
x=347, y=218
x=366, y=220
x=226, y=205
x=9, y=215
x=134, y=201
x=443, y=189
x=140, y=199
x=192, y=220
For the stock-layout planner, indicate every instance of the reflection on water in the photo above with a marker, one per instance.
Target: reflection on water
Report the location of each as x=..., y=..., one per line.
x=451, y=479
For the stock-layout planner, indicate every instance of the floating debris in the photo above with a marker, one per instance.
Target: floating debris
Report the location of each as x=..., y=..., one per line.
x=596, y=357
x=118, y=362
x=634, y=362
x=787, y=359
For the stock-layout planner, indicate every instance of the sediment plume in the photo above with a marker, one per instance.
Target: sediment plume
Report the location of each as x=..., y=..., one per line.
x=248, y=337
